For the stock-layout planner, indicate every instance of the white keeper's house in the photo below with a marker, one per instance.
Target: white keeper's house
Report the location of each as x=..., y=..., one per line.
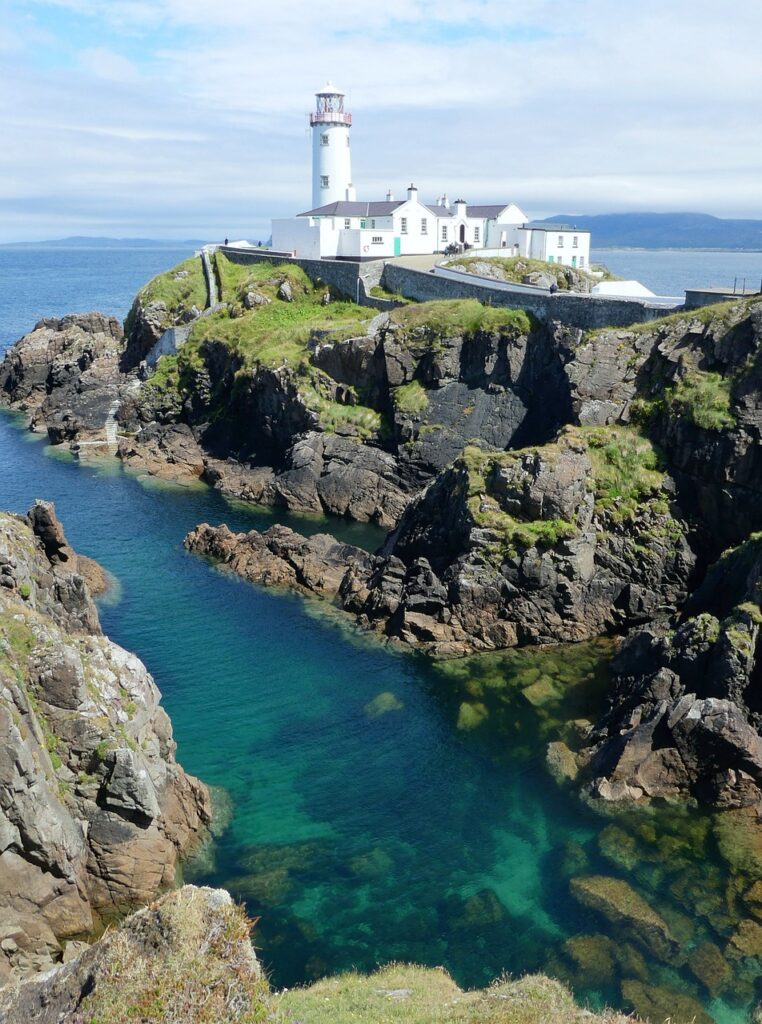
x=340, y=227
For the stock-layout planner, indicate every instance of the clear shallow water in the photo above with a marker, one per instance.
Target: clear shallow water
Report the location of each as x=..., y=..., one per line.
x=379, y=807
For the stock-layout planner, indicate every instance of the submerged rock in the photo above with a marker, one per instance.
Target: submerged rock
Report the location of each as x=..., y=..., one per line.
x=624, y=908
x=658, y=1003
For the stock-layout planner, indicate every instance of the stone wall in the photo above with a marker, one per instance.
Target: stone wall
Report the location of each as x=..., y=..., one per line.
x=584, y=311
x=355, y=279
x=352, y=279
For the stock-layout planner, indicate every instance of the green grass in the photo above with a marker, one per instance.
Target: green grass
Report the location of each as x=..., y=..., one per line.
x=450, y=318
x=626, y=469
x=236, y=279
x=178, y=293
x=405, y=994
x=410, y=398
x=515, y=268
x=703, y=398
x=277, y=335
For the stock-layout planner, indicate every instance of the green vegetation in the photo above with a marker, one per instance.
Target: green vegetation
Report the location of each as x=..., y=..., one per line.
x=452, y=318
x=703, y=398
x=625, y=469
x=164, y=382
x=515, y=268
x=208, y=975
x=405, y=994
x=624, y=473
x=511, y=534
x=410, y=398
x=179, y=288
x=378, y=292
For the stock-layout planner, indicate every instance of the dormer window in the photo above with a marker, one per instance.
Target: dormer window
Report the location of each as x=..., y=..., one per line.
x=324, y=140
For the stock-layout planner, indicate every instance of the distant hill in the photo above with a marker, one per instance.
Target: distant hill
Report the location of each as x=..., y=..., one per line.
x=88, y=242
x=666, y=231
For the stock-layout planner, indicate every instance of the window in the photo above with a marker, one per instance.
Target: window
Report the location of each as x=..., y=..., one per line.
x=324, y=140
x=347, y=222
x=575, y=242
x=581, y=261
x=561, y=260
x=476, y=234
x=377, y=239
x=324, y=181
x=444, y=232
x=373, y=223
x=424, y=226
x=552, y=259
x=403, y=225
x=560, y=241
x=363, y=223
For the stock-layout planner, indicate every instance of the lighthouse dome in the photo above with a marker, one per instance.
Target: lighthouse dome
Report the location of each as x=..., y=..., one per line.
x=329, y=89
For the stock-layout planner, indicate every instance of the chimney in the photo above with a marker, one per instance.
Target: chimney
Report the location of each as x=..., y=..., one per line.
x=445, y=201
x=351, y=193
x=460, y=207
x=412, y=192
x=390, y=196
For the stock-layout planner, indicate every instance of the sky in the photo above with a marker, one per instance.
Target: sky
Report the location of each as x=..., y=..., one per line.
x=188, y=118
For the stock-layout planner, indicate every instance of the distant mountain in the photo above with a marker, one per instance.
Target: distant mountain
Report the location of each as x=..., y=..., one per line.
x=666, y=231
x=88, y=242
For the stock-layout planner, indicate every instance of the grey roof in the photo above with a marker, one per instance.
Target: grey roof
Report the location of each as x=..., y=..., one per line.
x=347, y=209
x=439, y=211
x=543, y=225
x=486, y=212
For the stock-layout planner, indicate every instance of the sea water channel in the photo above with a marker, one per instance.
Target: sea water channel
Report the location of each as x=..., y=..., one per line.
x=373, y=806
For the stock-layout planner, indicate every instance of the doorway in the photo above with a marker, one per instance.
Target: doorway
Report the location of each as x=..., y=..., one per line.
x=397, y=246
x=462, y=234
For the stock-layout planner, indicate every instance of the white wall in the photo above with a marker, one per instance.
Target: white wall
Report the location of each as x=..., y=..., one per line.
x=333, y=161
x=299, y=235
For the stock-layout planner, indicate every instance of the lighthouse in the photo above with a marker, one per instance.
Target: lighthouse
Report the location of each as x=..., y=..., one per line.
x=331, y=157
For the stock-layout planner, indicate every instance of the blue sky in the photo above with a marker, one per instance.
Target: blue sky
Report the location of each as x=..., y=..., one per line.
x=185, y=118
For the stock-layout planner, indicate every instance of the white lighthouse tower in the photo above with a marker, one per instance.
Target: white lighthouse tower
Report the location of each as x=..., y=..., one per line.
x=331, y=158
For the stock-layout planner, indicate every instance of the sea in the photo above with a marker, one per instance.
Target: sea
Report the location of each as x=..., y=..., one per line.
x=371, y=805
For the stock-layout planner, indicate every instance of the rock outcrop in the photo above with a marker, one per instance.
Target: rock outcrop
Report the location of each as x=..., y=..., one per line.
x=94, y=809
x=694, y=380
x=502, y=549
x=65, y=376
x=186, y=957
x=684, y=715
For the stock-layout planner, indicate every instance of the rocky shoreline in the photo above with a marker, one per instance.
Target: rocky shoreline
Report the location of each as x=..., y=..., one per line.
x=539, y=485
x=95, y=813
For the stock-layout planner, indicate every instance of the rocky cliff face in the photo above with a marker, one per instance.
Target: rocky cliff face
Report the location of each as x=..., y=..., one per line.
x=65, y=375
x=684, y=715
x=94, y=809
x=693, y=381
x=501, y=549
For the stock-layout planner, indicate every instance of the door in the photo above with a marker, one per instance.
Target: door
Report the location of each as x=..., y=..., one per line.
x=574, y=261
x=462, y=233
x=397, y=246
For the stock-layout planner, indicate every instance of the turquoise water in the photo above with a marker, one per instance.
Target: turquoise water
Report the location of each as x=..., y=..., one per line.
x=379, y=807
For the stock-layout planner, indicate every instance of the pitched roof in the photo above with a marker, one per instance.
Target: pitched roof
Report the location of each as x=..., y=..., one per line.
x=439, y=211
x=486, y=212
x=348, y=209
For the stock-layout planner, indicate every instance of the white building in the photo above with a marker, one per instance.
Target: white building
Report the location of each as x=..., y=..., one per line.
x=340, y=227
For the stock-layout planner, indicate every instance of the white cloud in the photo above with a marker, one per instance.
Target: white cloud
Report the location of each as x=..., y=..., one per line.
x=199, y=110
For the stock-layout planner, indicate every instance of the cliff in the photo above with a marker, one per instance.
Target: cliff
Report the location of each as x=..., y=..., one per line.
x=94, y=810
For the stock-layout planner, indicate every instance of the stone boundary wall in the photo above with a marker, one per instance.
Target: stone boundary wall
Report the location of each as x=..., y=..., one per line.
x=352, y=279
x=584, y=311
x=355, y=279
